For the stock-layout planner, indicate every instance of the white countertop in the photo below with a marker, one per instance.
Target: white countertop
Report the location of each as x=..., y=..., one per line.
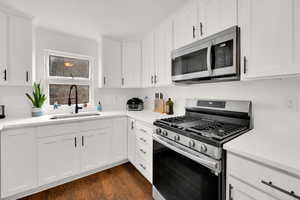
x=145, y=116
x=280, y=149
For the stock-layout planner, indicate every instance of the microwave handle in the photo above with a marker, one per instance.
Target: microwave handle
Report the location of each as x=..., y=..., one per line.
x=209, y=68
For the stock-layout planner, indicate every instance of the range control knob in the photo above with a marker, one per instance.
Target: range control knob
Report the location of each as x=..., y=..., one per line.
x=176, y=137
x=192, y=144
x=158, y=131
x=203, y=148
x=165, y=133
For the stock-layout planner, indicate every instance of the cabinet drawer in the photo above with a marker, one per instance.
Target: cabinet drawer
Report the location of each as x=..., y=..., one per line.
x=254, y=173
x=142, y=127
x=143, y=137
x=144, y=151
x=54, y=130
x=95, y=124
x=144, y=167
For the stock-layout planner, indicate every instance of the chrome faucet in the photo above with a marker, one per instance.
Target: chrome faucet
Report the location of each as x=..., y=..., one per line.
x=77, y=108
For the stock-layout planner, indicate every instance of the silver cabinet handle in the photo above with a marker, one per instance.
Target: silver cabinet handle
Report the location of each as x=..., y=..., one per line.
x=132, y=125
x=230, y=192
x=245, y=64
x=152, y=79
x=143, y=166
x=104, y=80
x=290, y=193
x=5, y=75
x=194, y=29
x=27, y=76
x=201, y=29
x=155, y=79
x=123, y=81
x=142, y=139
x=82, y=140
x=143, y=130
x=75, y=142
x=144, y=152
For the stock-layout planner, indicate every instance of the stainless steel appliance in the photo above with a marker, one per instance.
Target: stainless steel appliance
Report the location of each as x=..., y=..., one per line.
x=215, y=58
x=135, y=104
x=188, y=158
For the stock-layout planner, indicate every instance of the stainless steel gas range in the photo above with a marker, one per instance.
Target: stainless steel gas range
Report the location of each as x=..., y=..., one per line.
x=188, y=159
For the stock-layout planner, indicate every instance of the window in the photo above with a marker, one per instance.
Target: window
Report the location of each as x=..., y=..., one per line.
x=64, y=70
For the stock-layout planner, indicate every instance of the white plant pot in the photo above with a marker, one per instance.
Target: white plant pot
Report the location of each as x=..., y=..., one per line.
x=37, y=112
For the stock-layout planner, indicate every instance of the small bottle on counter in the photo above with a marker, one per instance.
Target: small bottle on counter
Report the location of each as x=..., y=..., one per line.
x=170, y=107
x=99, y=107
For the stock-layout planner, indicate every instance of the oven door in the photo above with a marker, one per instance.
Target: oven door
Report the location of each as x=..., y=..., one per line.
x=192, y=62
x=225, y=55
x=179, y=174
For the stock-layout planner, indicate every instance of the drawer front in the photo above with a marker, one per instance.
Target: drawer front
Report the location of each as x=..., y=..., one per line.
x=144, y=167
x=143, y=137
x=142, y=127
x=258, y=175
x=95, y=124
x=58, y=129
x=144, y=151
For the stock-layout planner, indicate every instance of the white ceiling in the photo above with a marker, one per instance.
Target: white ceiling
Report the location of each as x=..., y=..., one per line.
x=89, y=18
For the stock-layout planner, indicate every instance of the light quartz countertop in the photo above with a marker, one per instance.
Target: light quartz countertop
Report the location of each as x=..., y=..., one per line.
x=145, y=116
x=274, y=147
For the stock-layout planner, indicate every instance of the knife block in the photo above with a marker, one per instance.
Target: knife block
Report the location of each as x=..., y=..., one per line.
x=159, y=105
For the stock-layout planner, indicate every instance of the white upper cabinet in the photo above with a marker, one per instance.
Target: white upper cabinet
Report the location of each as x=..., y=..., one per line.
x=270, y=44
x=15, y=50
x=3, y=48
x=157, y=47
x=215, y=16
x=148, y=71
x=163, y=47
x=132, y=64
x=111, y=63
x=20, y=51
x=186, y=25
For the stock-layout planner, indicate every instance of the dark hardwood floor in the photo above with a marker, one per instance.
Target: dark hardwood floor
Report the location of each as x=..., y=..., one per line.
x=119, y=183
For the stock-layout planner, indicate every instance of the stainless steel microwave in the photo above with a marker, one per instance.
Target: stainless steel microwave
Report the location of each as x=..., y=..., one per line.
x=215, y=58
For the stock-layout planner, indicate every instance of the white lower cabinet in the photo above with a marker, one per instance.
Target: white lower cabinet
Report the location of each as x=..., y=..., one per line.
x=18, y=161
x=131, y=141
x=249, y=179
x=34, y=157
x=95, y=148
x=58, y=158
x=140, y=140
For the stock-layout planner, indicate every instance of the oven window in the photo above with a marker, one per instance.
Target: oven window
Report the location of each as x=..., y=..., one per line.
x=190, y=63
x=222, y=54
x=177, y=177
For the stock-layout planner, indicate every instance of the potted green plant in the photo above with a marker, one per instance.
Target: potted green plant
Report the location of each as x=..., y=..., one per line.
x=37, y=99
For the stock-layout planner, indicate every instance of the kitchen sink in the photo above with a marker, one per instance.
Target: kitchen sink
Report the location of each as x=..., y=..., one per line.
x=68, y=116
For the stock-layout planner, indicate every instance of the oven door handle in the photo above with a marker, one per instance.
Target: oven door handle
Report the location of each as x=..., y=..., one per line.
x=199, y=158
x=209, y=59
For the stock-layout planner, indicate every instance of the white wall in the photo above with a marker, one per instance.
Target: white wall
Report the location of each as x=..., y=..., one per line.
x=271, y=98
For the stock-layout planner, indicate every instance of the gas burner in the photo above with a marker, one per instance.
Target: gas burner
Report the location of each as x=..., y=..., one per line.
x=217, y=130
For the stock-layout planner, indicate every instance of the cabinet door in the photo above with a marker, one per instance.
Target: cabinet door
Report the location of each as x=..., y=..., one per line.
x=269, y=45
x=163, y=48
x=185, y=25
x=216, y=15
x=58, y=158
x=20, y=51
x=111, y=63
x=237, y=190
x=119, y=140
x=148, y=60
x=131, y=141
x=3, y=48
x=132, y=64
x=18, y=161
x=95, y=150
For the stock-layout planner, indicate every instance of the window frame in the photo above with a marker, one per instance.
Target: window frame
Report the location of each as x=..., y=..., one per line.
x=67, y=80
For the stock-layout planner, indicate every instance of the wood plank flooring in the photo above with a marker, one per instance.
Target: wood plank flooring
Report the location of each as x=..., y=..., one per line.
x=119, y=183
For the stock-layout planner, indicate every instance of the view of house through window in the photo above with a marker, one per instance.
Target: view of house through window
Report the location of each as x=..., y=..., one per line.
x=65, y=71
